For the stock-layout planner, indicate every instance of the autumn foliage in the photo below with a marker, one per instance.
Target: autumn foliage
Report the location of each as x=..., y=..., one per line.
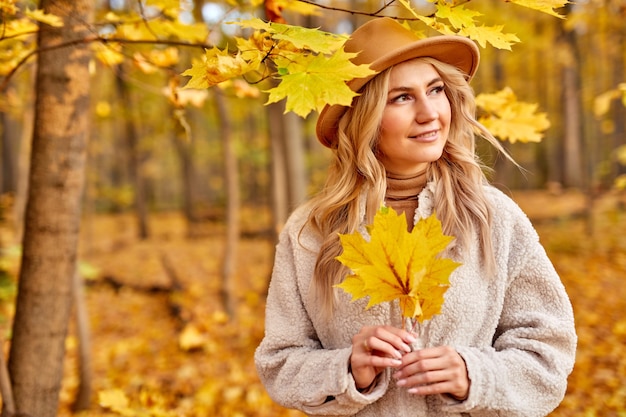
x=162, y=345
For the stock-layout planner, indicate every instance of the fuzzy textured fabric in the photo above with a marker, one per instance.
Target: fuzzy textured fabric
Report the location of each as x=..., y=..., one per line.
x=515, y=331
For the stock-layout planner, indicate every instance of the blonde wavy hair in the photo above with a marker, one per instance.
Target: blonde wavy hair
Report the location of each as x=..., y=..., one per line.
x=459, y=199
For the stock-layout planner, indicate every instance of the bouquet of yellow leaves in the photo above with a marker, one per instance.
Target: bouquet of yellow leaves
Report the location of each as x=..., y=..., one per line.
x=397, y=264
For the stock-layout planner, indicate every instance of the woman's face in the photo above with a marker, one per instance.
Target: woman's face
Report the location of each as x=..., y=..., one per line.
x=416, y=119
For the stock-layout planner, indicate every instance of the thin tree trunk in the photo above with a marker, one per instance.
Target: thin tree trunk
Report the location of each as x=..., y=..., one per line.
x=135, y=158
x=8, y=174
x=233, y=203
x=6, y=390
x=619, y=111
x=293, y=142
x=183, y=144
x=53, y=211
x=23, y=166
x=572, y=113
x=278, y=169
x=83, y=395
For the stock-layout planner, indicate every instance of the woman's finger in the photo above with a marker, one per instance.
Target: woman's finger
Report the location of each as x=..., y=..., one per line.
x=438, y=370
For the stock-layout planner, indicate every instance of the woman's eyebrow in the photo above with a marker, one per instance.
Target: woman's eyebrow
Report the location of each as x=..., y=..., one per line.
x=405, y=88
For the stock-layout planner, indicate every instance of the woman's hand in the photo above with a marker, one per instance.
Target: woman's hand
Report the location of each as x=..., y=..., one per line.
x=437, y=370
x=375, y=348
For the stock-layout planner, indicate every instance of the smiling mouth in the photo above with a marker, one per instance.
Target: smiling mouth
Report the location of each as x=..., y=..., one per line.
x=424, y=136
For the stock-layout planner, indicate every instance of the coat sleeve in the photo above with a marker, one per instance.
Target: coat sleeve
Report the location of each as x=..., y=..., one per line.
x=296, y=370
x=525, y=371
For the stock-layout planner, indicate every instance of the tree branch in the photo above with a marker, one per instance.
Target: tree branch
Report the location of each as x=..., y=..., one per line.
x=104, y=40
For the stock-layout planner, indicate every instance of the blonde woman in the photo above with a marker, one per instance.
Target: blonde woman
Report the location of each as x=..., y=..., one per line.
x=504, y=342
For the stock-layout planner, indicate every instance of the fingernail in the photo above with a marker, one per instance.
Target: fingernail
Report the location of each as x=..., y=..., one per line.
x=412, y=338
x=396, y=362
x=406, y=348
x=413, y=390
x=401, y=383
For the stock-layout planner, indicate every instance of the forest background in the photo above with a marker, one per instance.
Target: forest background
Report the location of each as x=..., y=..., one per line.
x=166, y=202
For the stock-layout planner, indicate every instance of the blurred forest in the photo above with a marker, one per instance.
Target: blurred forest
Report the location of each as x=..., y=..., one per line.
x=182, y=193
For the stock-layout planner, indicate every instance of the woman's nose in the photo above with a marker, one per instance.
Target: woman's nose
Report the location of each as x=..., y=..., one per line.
x=425, y=111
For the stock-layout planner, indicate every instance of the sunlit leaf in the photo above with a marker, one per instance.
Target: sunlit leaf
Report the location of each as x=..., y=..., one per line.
x=191, y=338
x=315, y=80
x=47, y=18
x=217, y=66
x=110, y=54
x=510, y=119
x=397, y=264
x=115, y=400
x=490, y=34
x=300, y=7
x=545, y=6
x=458, y=16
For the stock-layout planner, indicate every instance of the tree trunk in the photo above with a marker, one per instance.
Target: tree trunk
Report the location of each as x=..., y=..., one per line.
x=183, y=143
x=6, y=388
x=8, y=174
x=293, y=142
x=618, y=110
x=135, y=158
x=83, y=334
x=278, y=168
x=53, y=210
x=233, y=203
x=572, y=111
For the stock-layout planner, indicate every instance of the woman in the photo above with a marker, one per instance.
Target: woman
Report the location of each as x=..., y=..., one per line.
x=504, y=342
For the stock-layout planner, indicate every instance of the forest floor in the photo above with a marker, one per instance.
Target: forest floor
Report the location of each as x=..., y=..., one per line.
x=162, y=345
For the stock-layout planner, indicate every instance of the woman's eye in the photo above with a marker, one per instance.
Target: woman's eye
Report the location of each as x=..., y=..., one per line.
x=401, y=98
x=438, y=89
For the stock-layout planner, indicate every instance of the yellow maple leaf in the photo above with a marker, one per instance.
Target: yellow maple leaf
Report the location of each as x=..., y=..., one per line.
x=545, y=6
x=216, y=67
x=509, y=119
x=43, y=17
x=397, y=264
x=109, y=54
x=458, y=16
x=490, y=34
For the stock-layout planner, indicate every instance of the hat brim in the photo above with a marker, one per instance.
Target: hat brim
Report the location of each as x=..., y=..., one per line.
x=457, y=51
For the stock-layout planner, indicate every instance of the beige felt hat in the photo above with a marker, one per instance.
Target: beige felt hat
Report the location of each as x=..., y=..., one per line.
x=383, y=42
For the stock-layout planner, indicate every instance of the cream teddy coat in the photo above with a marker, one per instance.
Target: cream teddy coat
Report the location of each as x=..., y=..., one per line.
x=515, y=331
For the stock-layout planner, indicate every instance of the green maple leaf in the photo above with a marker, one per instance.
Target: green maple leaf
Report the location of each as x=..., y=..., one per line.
x=309, y=82
x=300, y=37
x=395, y=264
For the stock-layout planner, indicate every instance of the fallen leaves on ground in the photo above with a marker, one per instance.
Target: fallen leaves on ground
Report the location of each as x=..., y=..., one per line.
x=160, y=349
